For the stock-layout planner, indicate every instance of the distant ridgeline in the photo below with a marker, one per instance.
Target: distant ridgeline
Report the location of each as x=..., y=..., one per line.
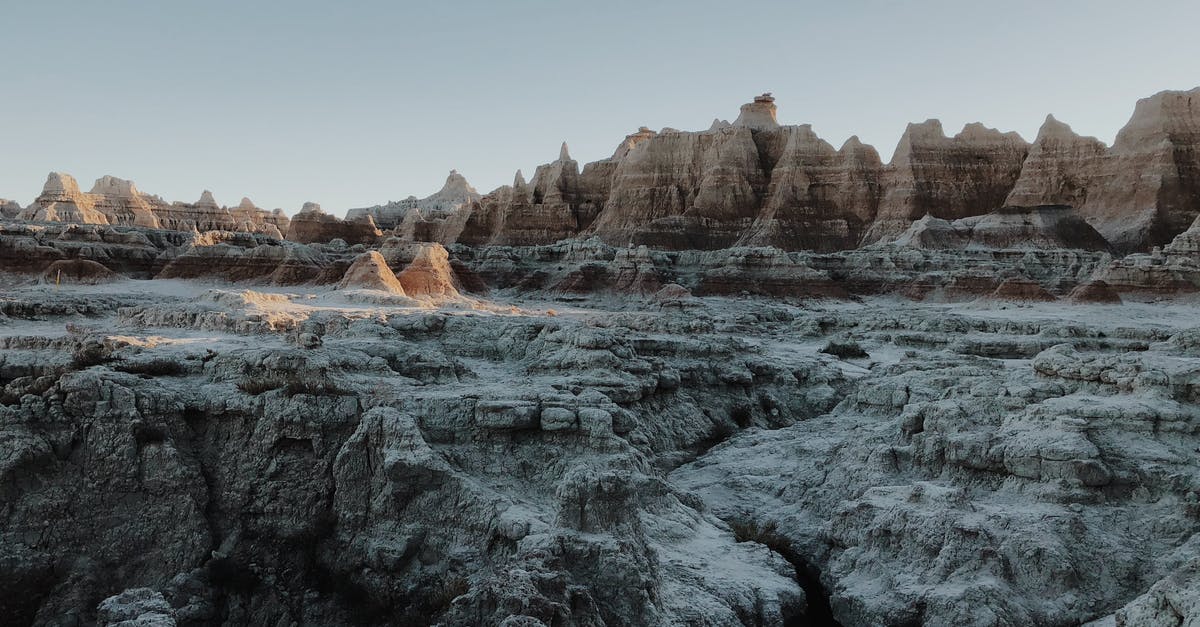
x=755, y=183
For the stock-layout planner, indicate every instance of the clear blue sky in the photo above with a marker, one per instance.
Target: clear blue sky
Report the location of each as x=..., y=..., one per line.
x=355, y=103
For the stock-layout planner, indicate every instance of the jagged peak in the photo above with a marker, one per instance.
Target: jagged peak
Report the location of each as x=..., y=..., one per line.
x=1052, y=128
x=759, y=114
x=563, y=153
x=206, y=199
x=311, y=208
x=718, y=124
x=247, y=204
x=519, y=180
x=929, y=129
x=456, y=186
x=108, y=185
x=855, y=150
x=1157, y=116
x=60, y=182
x=978, y=132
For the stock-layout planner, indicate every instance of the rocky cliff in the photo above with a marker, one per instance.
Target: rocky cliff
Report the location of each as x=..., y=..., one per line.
x=119, y=202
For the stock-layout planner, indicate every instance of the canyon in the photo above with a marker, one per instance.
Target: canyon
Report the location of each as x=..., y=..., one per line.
x=735, y=376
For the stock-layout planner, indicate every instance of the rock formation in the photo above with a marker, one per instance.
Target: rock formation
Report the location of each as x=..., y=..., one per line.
x=1141, y=192
x=946, y=177
x=429, y=274
x=78, y=271
x=1031, y=228
x=371, y=272
x=413, y=216
x=119, y=202
x=61, y=201
x=313, y=225
x=9, y=209
x=818, y=198
x=1097, y=291
x=1058, y=168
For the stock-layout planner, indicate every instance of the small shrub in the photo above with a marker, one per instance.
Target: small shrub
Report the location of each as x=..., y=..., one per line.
x=88, y=355
x=450, y=588
x=766, y=534
x=291, y=383
x=159, y=367
x=847, y=349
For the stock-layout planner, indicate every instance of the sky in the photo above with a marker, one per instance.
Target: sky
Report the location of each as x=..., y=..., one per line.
x=355, y=103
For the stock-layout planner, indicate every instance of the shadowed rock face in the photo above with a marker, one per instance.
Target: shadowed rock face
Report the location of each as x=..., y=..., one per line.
x=946, y=177
x=313, y=225
x=1138, y=194
x=1058, y=168
x=1147, y=189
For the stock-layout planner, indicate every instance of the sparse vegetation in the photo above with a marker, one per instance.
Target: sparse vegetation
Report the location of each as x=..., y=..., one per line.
x=450, y=588
x=158, y=367
x=845, y=349
x=765, y=534
x=89, y=354
x=291, y=383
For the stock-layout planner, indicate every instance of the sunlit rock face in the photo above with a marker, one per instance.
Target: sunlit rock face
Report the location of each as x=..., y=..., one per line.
x=684, y=190
x=759, y=114
x=61, y=201
x=118, y=201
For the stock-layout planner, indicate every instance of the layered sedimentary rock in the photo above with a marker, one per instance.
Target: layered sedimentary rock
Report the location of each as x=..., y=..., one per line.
x=685, y=190
x=818, y=198
x=122, y=203
x=1031, y=228
x=1058, y=168
x=313, y=225
x=227, y=255
x=411, y=215
x=118, y=201
x=370, y=271
x=946, y=177
x=1147, y=189
x=61, y=201
x=429, y=275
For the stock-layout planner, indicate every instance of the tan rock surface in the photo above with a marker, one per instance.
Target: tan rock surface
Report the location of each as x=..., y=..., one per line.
x=370, y=271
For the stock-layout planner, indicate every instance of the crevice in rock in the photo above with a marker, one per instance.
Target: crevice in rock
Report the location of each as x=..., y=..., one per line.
x=818, y=611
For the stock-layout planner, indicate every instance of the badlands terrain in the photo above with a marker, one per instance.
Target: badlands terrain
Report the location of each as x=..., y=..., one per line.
x=727, y=377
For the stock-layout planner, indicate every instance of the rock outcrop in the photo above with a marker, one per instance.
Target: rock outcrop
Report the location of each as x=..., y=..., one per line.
x=10, y=209
x=418, y=217
x=429, y=275
x=946, y=177
x=1147, y=189
x=1028, y=228
x=119, y=202
x=370, y=271
x=1058, y=169
x=312, y=225
x=61, y=201
x=78, y=271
